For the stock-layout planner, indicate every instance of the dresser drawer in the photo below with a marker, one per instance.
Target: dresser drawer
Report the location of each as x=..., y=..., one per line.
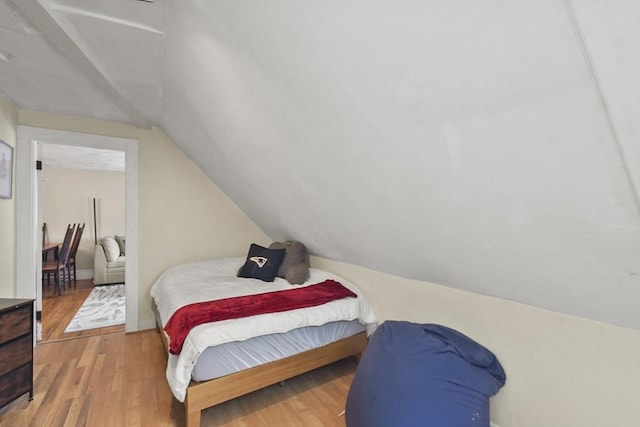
x=14, y=384
x=15, y=323
x=15, y=353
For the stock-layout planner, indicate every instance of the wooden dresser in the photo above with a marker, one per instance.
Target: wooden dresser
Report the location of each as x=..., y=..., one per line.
x=16, y=349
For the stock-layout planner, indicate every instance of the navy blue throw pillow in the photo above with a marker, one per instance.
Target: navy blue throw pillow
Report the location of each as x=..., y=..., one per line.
x=262, y=263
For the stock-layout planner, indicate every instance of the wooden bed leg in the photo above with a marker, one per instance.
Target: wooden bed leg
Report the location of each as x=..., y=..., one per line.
x=193, y=418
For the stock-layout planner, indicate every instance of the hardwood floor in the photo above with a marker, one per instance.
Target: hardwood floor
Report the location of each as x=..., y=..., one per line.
x=57, y=312
x=119, y=380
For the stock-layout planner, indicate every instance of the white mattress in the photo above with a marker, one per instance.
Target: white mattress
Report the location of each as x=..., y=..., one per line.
x=225, y=359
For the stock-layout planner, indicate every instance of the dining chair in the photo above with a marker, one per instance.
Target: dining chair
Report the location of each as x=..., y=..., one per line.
x=59, y=266
x=44, y=240
x=72, y=253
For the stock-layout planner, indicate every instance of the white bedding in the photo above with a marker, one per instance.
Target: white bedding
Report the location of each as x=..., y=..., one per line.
x=215, y=279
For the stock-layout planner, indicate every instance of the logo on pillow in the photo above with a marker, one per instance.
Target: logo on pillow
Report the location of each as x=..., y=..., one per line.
x=261, y=261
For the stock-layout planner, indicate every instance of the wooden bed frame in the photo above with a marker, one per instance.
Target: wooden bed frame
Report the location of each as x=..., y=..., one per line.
x=205, y=394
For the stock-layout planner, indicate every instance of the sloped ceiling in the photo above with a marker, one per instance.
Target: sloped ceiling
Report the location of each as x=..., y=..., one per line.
x=489, y=146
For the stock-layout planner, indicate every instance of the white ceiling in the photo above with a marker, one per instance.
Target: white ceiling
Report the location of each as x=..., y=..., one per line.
x=490, y=146
x=74, y=157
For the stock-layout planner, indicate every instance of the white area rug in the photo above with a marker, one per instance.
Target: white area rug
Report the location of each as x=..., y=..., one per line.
x=105, y=306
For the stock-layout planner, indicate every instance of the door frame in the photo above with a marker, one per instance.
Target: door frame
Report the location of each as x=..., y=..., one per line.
x=28, y=242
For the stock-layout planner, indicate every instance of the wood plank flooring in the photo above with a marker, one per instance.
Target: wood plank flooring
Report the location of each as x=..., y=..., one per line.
x=118, y=379
x=57, y=312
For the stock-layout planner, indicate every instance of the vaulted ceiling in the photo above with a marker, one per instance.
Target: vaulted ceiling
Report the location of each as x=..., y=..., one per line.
x=489, y=146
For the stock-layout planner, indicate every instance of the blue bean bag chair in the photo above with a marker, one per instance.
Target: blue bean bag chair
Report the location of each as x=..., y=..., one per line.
x=414, y=375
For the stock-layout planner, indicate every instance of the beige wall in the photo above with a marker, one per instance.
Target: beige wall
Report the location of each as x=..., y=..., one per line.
x=67, y=198
x=8, y=125
x=562, y=371
x=183, y=216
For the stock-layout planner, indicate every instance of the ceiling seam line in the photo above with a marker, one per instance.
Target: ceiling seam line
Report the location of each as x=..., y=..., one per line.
x=101, y=17
x=596, y=83
x=57, y=36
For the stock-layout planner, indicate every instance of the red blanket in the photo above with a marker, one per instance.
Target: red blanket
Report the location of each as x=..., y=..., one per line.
x=192, y=315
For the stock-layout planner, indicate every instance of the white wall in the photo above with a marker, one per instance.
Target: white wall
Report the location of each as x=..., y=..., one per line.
x=562, y=371
x=458, y=142
x=8, y=125
x=67, y=198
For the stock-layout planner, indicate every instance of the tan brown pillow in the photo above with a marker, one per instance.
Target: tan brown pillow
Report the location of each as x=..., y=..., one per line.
x=295, y=266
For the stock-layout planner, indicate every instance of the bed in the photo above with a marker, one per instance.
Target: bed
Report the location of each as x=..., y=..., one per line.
x=224, y=359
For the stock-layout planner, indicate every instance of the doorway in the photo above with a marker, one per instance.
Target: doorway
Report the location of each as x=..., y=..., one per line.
x=84, y=187
x=28, y=250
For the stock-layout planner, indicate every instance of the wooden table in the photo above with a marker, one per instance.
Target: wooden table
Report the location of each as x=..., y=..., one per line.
x=48, y=248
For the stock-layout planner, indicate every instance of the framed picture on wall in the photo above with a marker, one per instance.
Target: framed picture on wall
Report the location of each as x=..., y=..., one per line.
x=6, y=170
